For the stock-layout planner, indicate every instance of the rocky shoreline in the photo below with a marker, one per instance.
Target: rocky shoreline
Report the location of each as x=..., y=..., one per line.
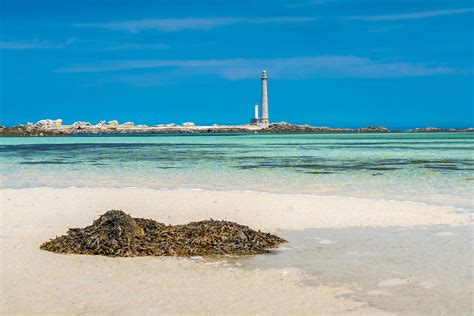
x=56, y=128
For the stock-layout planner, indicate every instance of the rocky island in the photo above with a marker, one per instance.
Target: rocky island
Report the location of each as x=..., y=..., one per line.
x=57, y=128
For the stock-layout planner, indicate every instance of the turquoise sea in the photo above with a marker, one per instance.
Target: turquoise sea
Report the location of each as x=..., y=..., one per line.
x=434, y=167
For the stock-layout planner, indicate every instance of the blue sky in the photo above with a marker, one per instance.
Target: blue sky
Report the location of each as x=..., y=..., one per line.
x=341, y=63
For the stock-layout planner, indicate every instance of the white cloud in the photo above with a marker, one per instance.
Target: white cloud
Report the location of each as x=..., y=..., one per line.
x=286, y=68
x=135, y=46
x=412, y=15
x=35, y=44
x=174, y=25
x=307, y=3
x=182, y=24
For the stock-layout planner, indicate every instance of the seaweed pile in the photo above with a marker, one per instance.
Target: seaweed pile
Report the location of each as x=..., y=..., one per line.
x=117, y=234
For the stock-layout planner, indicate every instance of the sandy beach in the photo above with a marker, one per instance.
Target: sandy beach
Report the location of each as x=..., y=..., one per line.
x=35, y=281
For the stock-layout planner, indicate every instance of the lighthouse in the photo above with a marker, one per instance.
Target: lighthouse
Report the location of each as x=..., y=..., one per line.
x=263, y=119
x=264, y=104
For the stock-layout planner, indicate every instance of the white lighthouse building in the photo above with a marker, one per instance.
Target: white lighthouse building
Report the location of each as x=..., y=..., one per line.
x=264, y=104
x=264, y=111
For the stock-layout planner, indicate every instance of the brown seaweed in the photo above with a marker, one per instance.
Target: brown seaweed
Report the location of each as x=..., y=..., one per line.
x=117, y=234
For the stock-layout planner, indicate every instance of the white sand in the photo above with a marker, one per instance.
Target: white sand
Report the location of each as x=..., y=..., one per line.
x=35, y=281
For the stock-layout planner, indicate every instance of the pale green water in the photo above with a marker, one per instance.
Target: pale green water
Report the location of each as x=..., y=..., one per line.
x=425, y=167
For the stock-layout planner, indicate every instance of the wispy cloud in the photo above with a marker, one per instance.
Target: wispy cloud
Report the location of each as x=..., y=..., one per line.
x=174, y=25
x=136, y=46
x=412, y=15
x=307, y=3
x=182, y=24
x=286, y=68
x=35, y=44
x=385, y=28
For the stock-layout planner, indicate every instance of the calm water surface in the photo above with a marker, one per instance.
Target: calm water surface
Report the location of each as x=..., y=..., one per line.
x=427, y=270
x=435, y=167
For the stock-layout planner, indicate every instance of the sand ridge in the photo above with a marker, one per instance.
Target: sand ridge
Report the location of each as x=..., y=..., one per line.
x=267, y=211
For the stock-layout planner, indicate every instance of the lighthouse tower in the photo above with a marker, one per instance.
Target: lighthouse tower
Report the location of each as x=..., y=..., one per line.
x=264, y=104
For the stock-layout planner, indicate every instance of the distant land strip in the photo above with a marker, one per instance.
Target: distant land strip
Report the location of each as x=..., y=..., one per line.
x=56, y=128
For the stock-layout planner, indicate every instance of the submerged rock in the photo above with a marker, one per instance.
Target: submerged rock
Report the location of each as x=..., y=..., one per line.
x=117, y=234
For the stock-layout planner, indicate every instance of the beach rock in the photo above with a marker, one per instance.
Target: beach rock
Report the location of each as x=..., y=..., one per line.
x=81, y=125
x=373, y=129
x=284, y=127
x=22, y=130
x=30, y=126
x=100, y=124
x=117, y=234
x=426, y=130
x=49, y=123
x=55, y=128
x=128, y=124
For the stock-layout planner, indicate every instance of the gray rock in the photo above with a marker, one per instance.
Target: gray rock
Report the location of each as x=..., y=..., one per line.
x=373, y=129
x=49, y=123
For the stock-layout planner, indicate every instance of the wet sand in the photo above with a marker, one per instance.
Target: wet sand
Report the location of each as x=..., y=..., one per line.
x=35, y=281
x=422, y=270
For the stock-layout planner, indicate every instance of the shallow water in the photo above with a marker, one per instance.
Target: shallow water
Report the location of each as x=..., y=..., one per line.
x=422, y=270
x=435, y=167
